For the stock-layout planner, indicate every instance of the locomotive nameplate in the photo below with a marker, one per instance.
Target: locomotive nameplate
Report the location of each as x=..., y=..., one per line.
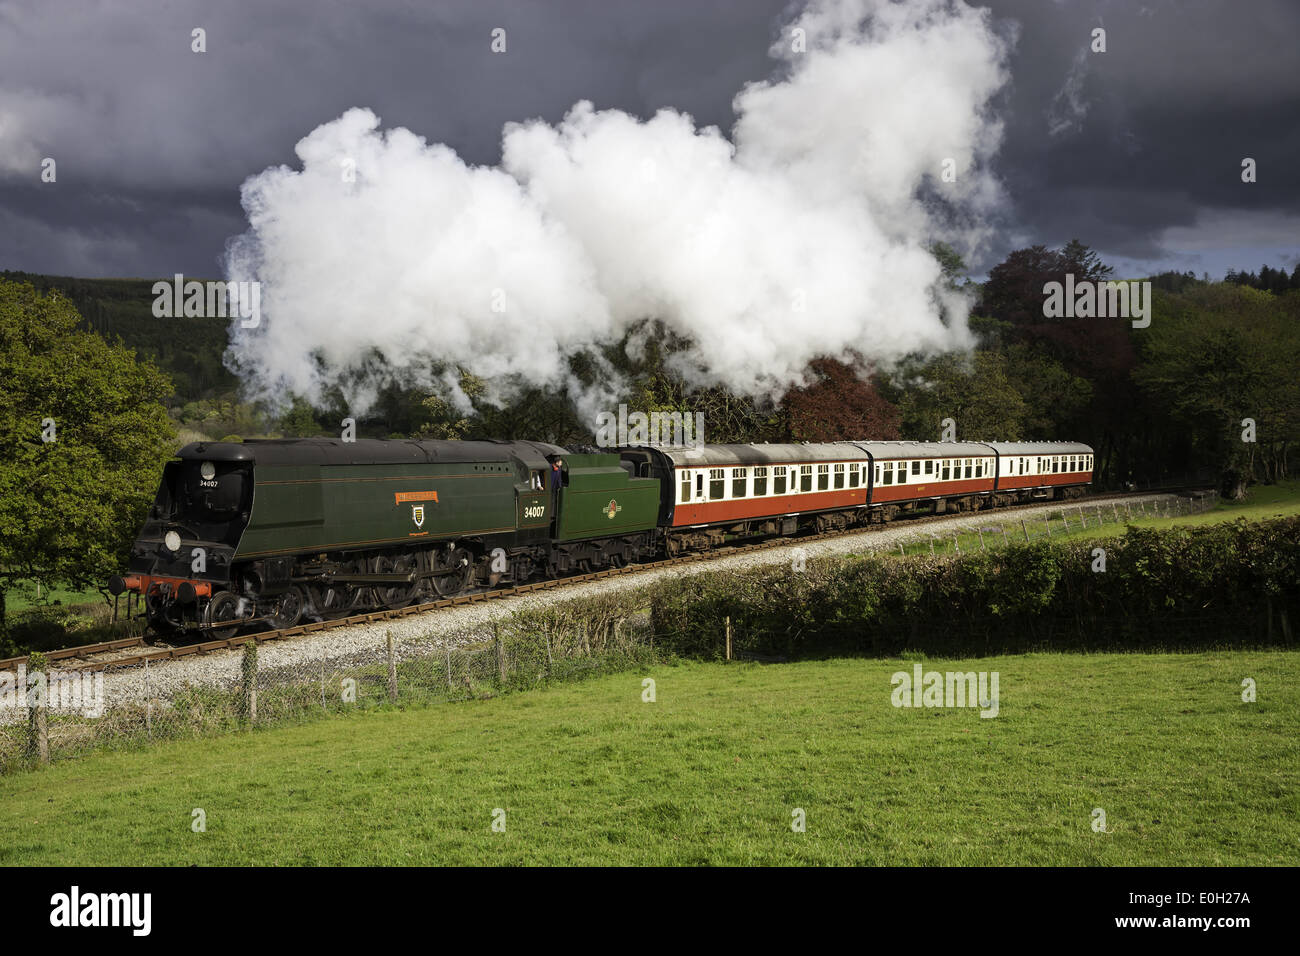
x=401, y=497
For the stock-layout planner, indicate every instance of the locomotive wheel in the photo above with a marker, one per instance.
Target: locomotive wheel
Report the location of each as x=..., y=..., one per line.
x=222, y=609
x=289, y=610
x=159, y=622
x=330, y=601
x=458, y=566
x=402, y=594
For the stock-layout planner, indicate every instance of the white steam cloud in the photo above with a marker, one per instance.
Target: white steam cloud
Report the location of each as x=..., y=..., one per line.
x=802, y=235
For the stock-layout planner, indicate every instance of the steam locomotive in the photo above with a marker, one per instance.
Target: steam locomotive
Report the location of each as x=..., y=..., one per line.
x=270, y=532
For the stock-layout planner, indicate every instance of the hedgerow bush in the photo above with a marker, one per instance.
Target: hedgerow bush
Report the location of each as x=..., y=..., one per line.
x=1214, y=586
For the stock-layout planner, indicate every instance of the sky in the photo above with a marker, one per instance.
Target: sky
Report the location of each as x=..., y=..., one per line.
x=1136, y=151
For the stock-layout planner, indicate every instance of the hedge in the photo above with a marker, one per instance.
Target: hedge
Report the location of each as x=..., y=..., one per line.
x=1223, y=585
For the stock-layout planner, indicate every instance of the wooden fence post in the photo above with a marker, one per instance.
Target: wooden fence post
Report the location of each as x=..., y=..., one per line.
x=1025, y=529
x=37, y=700
x=323, y=705
x=499, y=649
x=248, y=687
x=549, y=663
x=728, y=623
x=148, y=702
x=392, y=669
x=447, y=648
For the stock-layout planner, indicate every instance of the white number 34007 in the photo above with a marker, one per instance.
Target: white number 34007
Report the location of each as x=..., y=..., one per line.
x=534, y=511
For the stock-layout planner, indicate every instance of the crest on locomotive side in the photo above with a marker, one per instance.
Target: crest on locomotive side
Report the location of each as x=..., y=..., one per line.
x=417, y=515
x=613, y=508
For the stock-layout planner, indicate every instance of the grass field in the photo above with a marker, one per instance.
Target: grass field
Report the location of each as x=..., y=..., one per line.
x=712, y=771
x=27, y=595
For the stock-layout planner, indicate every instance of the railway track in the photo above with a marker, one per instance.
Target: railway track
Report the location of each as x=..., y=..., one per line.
x=86, y=654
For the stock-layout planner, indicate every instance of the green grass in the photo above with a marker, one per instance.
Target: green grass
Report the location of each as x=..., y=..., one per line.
x=25, y=595
x=1262, y=503
x=1186, y=772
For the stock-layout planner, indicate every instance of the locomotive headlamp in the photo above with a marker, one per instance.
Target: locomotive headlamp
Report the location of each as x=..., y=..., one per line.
x=208, y=471
x=172, y=541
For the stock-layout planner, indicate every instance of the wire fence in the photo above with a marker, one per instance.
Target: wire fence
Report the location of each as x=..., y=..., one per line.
x=1058, y=523
x=48, y=715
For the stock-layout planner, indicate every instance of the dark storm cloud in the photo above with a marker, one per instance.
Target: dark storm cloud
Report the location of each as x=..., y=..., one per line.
x=1160, y=125
x=1136, y=151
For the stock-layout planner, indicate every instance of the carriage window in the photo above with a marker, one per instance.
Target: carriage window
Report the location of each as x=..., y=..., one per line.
x=1056, y=464
x=902, y=472
x=947, y=470
x=853, y=476
x=929, y=467
x=979, y=468
x=686, y=486
x=916, y=467
x=877, y=474
x=760, y=482
x=699, y=484
x=823, y=477
x=889, y=473
x=805, y=477
x=839, y=476
x=717, y=483
x=968, y=467
x=778, y=481
x=738, y=482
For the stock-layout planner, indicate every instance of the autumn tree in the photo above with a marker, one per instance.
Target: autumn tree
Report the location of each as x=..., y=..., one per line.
x=840, y=404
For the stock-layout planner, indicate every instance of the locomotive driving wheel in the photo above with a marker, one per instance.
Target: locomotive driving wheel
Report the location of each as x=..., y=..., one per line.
x=400, y=595
x=330, y=600
x=455, y=568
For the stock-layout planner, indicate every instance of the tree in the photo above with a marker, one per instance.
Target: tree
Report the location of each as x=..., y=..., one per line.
x=1218, y=356
x=83, y=439
x=300, y=420
x=840, y=405
x=1083, y=262
x=975, y=391
x=1098, y=350
x=1056, y=401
